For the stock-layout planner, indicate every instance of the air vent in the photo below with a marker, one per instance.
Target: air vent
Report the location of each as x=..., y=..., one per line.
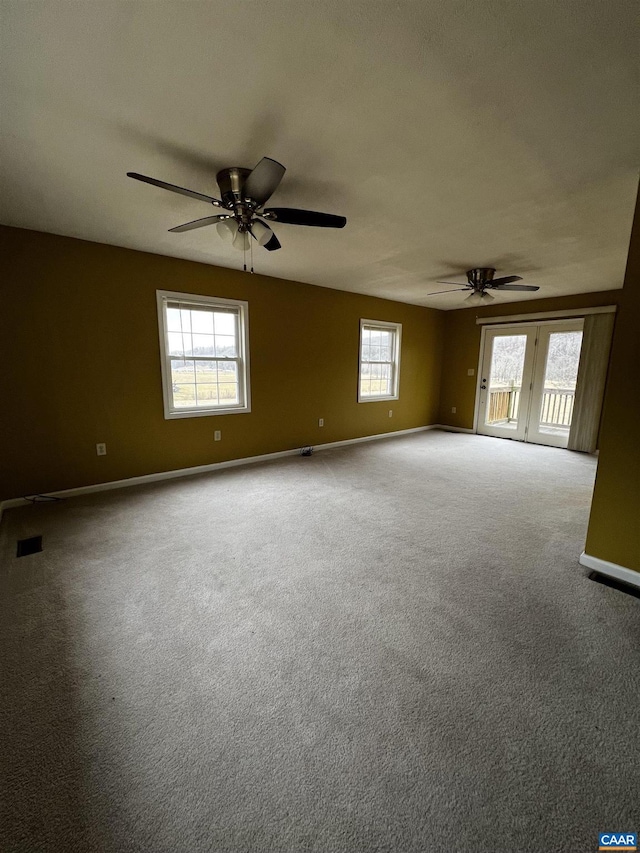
x=29, y=546
x=615, y=584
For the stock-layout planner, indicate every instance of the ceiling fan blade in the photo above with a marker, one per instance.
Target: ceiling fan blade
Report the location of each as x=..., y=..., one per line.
x=293, y=216
x=174, y=189
x=459, y=283
x=527, y=287
x=438, y=292
x=507, y=279
x=198, y=223
x=273, y=244
x=263, y=180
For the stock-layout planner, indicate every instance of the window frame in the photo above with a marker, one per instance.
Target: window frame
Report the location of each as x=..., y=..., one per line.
x=244, y=387
x=384, y=325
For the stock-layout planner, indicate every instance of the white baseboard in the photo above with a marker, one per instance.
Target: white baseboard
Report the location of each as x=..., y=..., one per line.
x=612, y=570
x=203, y=469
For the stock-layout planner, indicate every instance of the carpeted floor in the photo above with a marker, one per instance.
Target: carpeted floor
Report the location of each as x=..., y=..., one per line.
x=388, y=646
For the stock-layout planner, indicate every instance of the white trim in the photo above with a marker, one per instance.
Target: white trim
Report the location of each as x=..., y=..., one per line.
x=542, y=315
x=170, y=413
x=387, y=325
x=612, y=570
x=203, y=469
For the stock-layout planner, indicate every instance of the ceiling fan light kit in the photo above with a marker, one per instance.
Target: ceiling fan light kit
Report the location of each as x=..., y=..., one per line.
x=244, y=193
x=479, y=298
x=227, y=229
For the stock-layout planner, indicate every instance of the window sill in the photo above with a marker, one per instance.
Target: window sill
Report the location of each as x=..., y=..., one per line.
x=376, y=399
x=202, y=413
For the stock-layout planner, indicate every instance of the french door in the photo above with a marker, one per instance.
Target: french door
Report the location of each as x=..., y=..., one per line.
x=528, y=376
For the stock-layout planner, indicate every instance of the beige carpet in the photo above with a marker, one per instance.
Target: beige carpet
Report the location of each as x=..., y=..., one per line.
x=389, y=646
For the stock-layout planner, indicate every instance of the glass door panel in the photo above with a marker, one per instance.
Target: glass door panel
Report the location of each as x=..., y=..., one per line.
x=554, y=384
x=505, y=381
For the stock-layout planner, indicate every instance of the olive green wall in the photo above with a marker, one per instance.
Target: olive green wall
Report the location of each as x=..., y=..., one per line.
x=81, y=365
x=462, y=348
x=614, y=525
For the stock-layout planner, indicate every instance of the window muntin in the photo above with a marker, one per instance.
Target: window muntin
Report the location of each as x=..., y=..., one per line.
x=204, y=355
x=379, y=360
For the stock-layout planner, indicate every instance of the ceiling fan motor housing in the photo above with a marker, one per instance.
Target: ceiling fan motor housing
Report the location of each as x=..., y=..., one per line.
x=231, y=182
x=480, y=277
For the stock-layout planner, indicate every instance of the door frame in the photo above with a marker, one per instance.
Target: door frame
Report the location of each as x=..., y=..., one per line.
x=483, y=339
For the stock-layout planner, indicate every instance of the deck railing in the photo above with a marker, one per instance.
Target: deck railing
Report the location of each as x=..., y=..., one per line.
x=556, y=410
x=557, y=407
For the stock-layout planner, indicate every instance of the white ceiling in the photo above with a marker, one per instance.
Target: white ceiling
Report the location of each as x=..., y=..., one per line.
x=450, y=133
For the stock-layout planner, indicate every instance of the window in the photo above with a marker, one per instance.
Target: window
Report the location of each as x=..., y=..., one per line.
x=379, y=360
x=204, y=353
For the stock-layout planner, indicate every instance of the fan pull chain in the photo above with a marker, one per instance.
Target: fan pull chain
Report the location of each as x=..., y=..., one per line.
x=251, y=251
x=244, y=258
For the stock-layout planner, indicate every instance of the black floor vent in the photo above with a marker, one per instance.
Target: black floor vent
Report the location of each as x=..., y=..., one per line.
x=29, y=546
x=615, y=584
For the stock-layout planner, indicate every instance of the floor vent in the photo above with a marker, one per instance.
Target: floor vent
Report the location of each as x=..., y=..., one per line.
x=29, y=546
x=615, y=584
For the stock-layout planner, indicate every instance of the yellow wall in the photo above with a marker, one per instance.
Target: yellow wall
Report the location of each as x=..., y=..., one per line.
x=462, y=348
x=614, y=526
x=81, y=365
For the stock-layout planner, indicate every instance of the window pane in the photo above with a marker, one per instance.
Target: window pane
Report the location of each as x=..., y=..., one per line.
x=173, y=320
x=224, y=323
x=184, y=396
x=375, y=353
x=227, y=371
x=185, y=320
x=206, y=372
x=182, y=371
x=226, y=346
x=207, y=394
x=202, y=322
x=228, y=393
x=203, y=345
x=175, y=343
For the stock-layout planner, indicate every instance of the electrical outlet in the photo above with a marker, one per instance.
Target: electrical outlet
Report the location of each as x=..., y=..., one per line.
x=470, y=371
x=453, y=410
x=390, y=413
x=101, y=449
x=320, y=422
x=217, y=435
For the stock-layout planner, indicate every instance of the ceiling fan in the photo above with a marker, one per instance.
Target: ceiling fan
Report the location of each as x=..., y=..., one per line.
x=480, y=280
x=244, y=193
